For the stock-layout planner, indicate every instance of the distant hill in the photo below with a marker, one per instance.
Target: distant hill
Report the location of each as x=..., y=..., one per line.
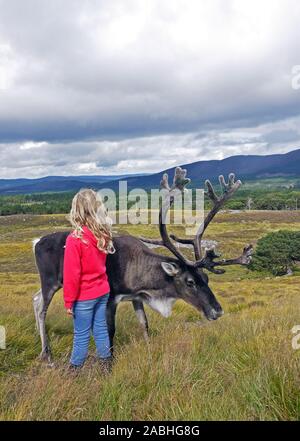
x=55, y=183
x=246, y=167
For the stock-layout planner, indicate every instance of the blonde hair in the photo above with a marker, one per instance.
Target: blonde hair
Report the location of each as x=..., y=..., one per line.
x=88, y=209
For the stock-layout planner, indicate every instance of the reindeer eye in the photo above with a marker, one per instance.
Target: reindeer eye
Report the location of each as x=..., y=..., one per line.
x=190, y=282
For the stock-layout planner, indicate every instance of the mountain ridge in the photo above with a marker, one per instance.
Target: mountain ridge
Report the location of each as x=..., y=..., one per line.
x=244, y=166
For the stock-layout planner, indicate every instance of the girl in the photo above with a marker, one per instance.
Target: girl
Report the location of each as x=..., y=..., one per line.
x=86, y=287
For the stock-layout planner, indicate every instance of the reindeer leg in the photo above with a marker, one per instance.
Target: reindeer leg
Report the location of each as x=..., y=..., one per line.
x=142, y=318
x=37, y=298
x=41, y=311
x=110, y=319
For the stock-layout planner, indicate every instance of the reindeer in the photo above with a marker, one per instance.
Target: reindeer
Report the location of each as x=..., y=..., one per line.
x=138, y=274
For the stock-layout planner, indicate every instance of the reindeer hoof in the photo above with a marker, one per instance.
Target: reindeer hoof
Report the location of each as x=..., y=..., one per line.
x=45, y=356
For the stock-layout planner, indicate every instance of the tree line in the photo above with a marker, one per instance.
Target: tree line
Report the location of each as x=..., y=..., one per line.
x=54, y=203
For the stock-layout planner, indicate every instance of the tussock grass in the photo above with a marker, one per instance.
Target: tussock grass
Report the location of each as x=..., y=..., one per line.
x=241, y=367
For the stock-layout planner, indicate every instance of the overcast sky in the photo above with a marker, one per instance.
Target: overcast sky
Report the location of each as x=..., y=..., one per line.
x=111, y=87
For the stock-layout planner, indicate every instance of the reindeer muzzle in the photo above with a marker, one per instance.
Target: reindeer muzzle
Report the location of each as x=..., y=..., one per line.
x=213, y=314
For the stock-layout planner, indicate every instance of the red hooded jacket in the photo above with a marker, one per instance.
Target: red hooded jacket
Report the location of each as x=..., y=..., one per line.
x=84, y=275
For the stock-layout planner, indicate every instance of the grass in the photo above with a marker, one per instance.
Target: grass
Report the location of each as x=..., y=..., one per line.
x=241, y=367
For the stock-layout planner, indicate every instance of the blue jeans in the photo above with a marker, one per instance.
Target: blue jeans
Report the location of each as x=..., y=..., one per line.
x=89, y=317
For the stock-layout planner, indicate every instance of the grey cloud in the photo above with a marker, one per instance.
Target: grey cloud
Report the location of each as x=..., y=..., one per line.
x=281, y=136
x=137, y=154
x=119, y=83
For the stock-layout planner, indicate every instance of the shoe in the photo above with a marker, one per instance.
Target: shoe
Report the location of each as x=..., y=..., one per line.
x=73, y=369
x=105, y=365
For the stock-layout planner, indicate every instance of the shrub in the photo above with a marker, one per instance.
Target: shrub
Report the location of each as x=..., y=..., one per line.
x=277, y=252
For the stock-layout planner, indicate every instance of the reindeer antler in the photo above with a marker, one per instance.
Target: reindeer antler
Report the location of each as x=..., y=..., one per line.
x=179, y=183
x=208, y=260
x=228, y=190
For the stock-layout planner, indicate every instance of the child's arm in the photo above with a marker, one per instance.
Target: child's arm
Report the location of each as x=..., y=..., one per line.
x=72, y=271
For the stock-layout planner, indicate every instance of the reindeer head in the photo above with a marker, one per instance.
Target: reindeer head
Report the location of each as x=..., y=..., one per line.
x=189, y=280
x=191, y=285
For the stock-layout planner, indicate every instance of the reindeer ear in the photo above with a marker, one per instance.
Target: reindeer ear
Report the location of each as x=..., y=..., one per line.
x=170, y=268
